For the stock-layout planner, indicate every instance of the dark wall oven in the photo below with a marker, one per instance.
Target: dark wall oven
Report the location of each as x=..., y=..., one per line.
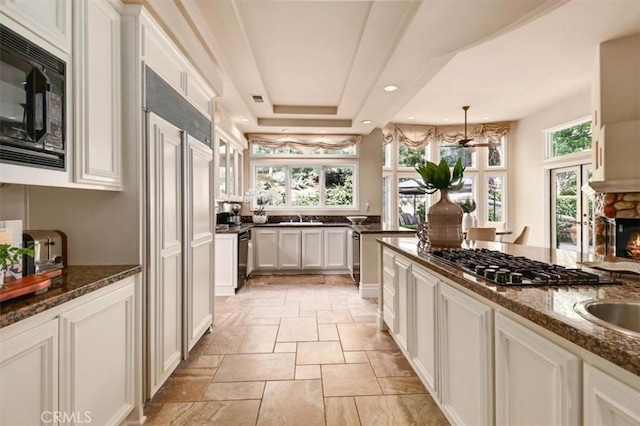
x=32, y=104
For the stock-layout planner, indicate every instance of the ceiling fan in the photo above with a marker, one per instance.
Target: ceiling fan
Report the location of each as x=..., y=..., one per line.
x=465, y=142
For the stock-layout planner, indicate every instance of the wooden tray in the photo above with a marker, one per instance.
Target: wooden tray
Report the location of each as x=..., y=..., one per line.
x=26, y=285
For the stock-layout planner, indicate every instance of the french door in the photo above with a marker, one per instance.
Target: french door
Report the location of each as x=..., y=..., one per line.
x=571, y=209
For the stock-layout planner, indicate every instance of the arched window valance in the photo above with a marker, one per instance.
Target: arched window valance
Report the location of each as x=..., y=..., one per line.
x=419, y=136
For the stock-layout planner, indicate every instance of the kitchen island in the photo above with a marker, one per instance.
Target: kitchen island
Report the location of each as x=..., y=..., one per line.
x=506, y=355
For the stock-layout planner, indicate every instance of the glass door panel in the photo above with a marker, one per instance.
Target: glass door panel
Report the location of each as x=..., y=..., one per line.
x=222, y=168
x=566, y=208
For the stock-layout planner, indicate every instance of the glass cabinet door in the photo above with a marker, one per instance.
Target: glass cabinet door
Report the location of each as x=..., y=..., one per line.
x=222, y=167
x=231, y=178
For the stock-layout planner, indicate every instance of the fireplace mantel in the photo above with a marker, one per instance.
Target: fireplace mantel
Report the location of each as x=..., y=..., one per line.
x=616, y=186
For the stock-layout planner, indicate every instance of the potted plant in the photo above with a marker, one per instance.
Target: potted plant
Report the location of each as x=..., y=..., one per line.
x=444, y=218
x=261, y=198
x=468, y=206
x=9, y=256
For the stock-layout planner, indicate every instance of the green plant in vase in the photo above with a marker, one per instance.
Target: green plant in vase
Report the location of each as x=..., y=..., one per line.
x=9, y=256
x=444, y=218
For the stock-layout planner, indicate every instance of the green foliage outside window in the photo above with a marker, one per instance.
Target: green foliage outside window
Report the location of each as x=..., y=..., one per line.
x=572, y=139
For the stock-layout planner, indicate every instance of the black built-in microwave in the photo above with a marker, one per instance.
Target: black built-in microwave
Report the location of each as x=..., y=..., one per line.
x=32, y=104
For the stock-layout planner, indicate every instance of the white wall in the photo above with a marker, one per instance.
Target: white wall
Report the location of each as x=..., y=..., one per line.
x=13, y=204
x=527, y=176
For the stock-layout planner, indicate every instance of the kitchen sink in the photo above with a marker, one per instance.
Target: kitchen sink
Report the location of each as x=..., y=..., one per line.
x=300, y=223
x=620, y=315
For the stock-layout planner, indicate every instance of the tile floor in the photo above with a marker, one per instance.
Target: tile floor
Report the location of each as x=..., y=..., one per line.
x=295, y=354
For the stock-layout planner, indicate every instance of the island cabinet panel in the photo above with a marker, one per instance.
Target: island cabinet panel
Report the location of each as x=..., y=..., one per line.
x=537, y=382
x=608, y=401
x=423, y=291
x=29, y=375
x=402, y=272
x=466, y=353
x=97, y=358
x=389, y=291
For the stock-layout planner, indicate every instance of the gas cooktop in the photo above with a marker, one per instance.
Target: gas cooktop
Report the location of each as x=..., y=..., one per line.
x=507, y=270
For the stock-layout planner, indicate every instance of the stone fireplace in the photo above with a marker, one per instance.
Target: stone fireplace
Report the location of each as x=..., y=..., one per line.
x=617, y=224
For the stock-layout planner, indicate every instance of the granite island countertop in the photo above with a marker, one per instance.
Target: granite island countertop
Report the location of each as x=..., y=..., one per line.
x=74, y=282
x=366, y=228
x=548, y=307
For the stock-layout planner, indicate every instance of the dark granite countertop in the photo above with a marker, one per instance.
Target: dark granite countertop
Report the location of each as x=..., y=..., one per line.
x=75, y=281
x=366, y=228
x=235, y=229
x=381, y=228
x=548, y=307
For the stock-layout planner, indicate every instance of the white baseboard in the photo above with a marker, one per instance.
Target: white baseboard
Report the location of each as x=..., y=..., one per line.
x=369, y=291
x=225, y=291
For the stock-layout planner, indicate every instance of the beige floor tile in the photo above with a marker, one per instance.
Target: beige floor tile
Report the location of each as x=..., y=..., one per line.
x=339, y=279
x=399, y=410
x=307, y=314
x=243, y=339
x=273, y=312
x=195, y=372
x=298, y=330
x=233, y=391
x=261, y=321
x=286, y=347
x=182, y=389
x=349, y=380
x=360, y=310
x=356, y=357
x=298, y=402
x=209, y=413
x=319, y=353
x=327, y=332
x=205, y=361
x=341, y=411
x=390, y=364
x=364, y=319
x=256, y=367
x=339, y=307
x=401, y=385
x=361, y=337
x=334, y=317
x=304, y=372
x=315, y=305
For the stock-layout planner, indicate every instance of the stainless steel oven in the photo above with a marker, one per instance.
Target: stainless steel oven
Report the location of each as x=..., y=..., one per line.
x=32, y=104
x=355, y=239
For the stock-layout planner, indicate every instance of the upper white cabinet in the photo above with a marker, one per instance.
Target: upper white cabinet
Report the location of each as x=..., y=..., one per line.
x=50, y=20
x=608, y=401
x=97, y=94
x=537, y=382
x=229, y=169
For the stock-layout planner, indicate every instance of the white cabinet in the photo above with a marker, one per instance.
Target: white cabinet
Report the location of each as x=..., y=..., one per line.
x=50, y=20
x=29, y=375
x=466, y=342
x=608, y=401
x=335, y=248
x=423, y=337
x=265, y=248
x=402, y=272
x=229, y=168
x=226, y=259
x=389, y=305
x=537, y=382
x=289, y=253
x=97, y=358
x=312, y=243
x=97, y=95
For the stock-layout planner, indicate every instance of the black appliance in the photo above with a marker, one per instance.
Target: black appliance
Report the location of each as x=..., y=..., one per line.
x=355, y=239
x=244, y=238
x=228, y=218
x=507, y=270
x=32, y=111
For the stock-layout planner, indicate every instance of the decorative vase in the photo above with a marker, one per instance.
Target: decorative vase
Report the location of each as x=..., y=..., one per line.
x=467, y=222
x=445, y=223
x=259, y=217
x=474, y=220
x=2, y=278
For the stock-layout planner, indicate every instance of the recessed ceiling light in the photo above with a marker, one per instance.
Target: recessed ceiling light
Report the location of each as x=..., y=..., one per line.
x=486, y=118
x=285, y=130
x=445, y=119
x=390, y=88
x=366, y=121
x=411, y=117
x=244, y=120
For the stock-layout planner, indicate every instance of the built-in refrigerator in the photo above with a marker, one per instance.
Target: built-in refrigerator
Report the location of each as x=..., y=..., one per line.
x=180, y=225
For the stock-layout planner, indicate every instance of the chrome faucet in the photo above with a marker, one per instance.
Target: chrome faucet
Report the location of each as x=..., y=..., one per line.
x=300, y=216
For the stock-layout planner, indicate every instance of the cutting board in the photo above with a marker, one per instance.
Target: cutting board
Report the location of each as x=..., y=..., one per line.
x=26, y=285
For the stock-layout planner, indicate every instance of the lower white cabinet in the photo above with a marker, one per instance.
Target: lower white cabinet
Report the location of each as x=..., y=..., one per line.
x=335, y=248
x=389, y=290
x=312, y=243
x=423, y=337
x=96, y=358
x=537, y=382
x=608, y=401
x=266, y=248
x=466, y=343
x=289, y=253
x=226, y=259
x=29, y=376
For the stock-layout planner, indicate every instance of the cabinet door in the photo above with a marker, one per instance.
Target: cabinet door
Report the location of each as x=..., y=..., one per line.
x=231, y=171
x=97, y=95
x=226, y=264
x=289, y=255
x=50, y=20
x=266, y=249
x=466, y=358
x=223, y=148
x=423, y=338
x=312, y=248
x=165, y=247
x=29, y=376
x=97, y=358
x=607, y=401
x=389, y=292
x=537, y=382
x=200, y=270
x=402, y=269
x=335, y=248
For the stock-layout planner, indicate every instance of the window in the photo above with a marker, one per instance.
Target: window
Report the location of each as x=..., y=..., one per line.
x=409, y=157
x=451, y=153
x=570, y=139
x=496, y=155
x=495, y=197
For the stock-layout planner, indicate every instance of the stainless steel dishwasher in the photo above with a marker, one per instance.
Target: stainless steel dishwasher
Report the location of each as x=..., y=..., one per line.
x=244, y=238
x=355, y=239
